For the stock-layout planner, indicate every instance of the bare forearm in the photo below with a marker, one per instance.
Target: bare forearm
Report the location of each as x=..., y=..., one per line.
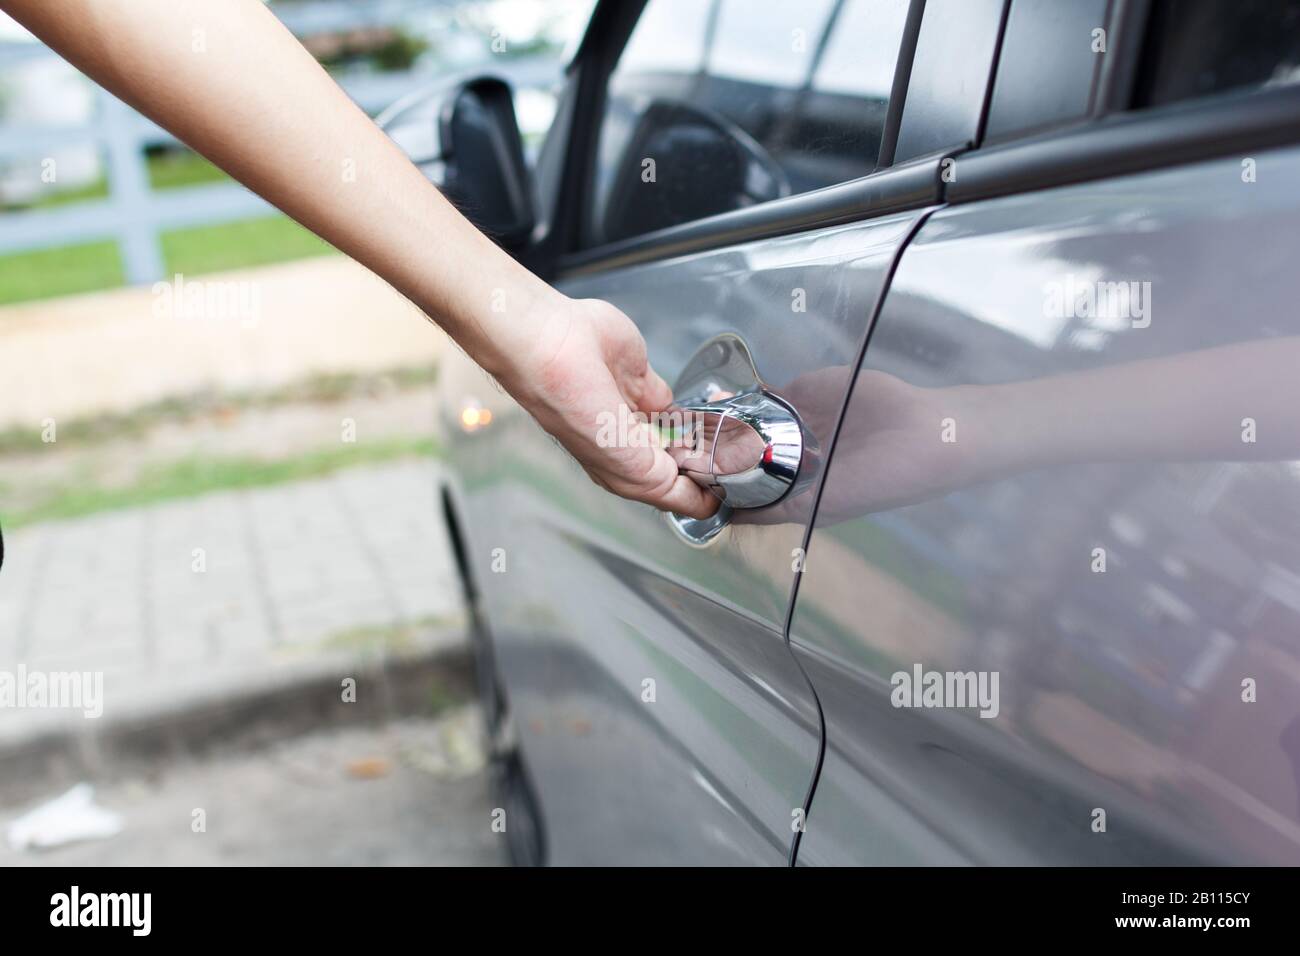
x=229, y=80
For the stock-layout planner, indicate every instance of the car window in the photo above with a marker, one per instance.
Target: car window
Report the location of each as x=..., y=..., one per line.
x=718, y=106
x=761, y=42
x=1050, y=54
x=955, y=51
x=1200, y=47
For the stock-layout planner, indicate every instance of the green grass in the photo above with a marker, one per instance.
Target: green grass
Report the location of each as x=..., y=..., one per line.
x=177, y=168
x=238, y=245
x=198, y=475
x=317, y=388
x=65, y=197
x=167, y=169
x=66, y=270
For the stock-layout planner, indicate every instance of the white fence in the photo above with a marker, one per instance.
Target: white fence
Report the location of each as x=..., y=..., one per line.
x=133, y=214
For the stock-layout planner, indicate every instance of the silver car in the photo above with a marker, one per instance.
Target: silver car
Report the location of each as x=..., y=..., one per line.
x=1021, y=582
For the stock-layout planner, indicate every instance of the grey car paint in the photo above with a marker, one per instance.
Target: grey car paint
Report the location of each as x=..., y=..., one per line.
x=590, y=597
x=1160, y=688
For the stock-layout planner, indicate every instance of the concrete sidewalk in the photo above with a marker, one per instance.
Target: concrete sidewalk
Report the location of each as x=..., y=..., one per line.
x=206, y=598
x=110, y=351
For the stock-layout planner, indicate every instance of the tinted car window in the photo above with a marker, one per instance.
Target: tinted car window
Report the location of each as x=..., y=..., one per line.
x=1050, y=54
x=1200, y=47
x=717, y=106
x=950, y=73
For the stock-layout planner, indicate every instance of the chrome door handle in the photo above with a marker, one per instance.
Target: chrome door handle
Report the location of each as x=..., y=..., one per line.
x=745, y=448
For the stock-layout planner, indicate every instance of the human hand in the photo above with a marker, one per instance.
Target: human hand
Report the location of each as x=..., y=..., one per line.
x=587, y=361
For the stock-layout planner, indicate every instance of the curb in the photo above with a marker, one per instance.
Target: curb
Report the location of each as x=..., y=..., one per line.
x=145, y=744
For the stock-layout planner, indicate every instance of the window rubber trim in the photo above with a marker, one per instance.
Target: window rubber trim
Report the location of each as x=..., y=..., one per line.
x=910, y=186
x=1232, y=124
x=1126, y=35
x=902, y=78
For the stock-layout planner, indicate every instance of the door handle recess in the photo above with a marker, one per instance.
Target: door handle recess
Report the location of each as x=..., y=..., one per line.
x=745, y=448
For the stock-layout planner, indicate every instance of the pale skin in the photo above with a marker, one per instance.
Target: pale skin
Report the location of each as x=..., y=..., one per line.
x=254, y=102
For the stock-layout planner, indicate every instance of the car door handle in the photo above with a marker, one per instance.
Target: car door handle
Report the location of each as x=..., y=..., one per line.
x=745, y=448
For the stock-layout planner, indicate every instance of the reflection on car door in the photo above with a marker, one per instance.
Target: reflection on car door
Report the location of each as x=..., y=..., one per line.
x=1069, y=461
x=658, y=710
x=657, y=704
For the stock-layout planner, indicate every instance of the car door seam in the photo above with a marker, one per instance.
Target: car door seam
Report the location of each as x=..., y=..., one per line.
x=876, y=308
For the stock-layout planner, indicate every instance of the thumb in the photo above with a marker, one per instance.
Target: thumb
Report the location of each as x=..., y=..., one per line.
x=656, y=396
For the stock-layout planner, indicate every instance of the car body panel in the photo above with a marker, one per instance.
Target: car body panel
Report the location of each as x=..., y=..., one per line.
x=1124, y=687
x=589, y=596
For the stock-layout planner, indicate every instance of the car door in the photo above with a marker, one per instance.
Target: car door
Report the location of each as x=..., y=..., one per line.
x=660, y=715
x=1051, y=604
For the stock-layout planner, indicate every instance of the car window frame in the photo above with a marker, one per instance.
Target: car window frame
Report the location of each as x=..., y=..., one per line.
x=1004, y=120
x=928, y=107
x=1117, y=139
x=884, y=190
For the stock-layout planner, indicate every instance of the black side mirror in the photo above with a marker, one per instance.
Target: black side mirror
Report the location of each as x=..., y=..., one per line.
x=466, y=139
x=704, y=164
x=486, y=174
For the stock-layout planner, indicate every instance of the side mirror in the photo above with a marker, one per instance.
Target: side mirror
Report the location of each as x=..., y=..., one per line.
x=705, y=164
x=465, y=138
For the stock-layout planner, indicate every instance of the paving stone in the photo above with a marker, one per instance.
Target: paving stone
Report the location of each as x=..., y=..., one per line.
x=288, y=569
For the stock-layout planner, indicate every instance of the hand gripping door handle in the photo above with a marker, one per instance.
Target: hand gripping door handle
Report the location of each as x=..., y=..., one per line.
x=745, y=448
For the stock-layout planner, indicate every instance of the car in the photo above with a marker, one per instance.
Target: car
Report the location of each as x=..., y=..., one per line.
x=1005, y=292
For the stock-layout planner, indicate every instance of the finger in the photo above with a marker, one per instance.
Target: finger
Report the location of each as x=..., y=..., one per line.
x=685, y=497
x=670, y=491
x=689, y=456
x=656, y=396
x=658, y=483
